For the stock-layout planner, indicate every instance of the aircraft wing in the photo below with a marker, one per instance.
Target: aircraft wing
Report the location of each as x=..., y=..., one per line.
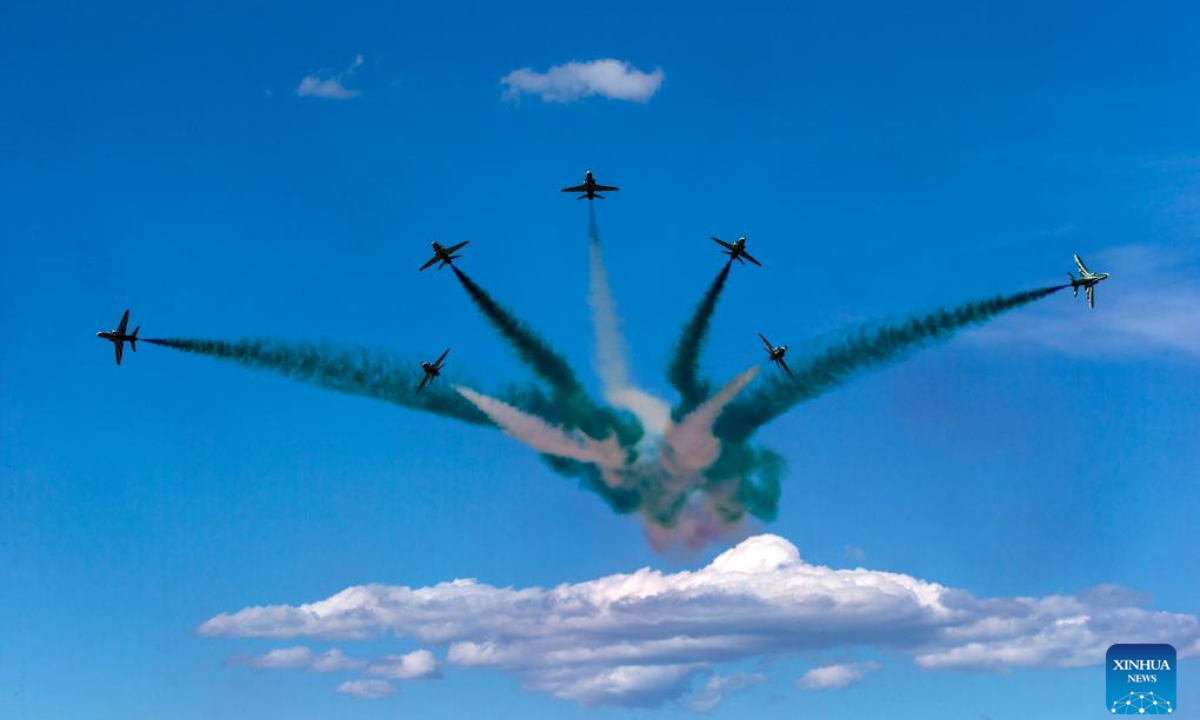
x=120, y=348
x=428, y=264
x=577, y=188
x=722, y=243
x=766, y=342
x=747, y=256
x=438, y=363
x=609, y=188
x=1091, y=296
x=456, y=248
x=786, y=369
x=124, y=323
x=423, y=381
x=1083, y=270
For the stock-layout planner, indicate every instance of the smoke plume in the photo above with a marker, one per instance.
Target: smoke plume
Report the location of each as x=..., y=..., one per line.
x=684, y=369
x=356, y=371
x=864, y=349
x=611, y=356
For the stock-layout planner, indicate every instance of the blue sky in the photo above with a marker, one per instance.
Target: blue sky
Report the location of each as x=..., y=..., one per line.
x=882, y=160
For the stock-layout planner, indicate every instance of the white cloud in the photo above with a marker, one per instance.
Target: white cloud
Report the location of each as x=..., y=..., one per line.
x=1149, y=306
x=324, y=84
x=301, y=658
x=613, y=79
x=367, y=689
x=719, y=687
x=832, y=677
x=642, y=638
x=415, y=665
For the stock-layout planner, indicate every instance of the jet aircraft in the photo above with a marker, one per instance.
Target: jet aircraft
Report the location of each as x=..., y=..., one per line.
x=737, y=250
x=432, y=369
x=776, y=354
x=119, y=337
x=1086, y=280
x=589, y=188
x=445, y=254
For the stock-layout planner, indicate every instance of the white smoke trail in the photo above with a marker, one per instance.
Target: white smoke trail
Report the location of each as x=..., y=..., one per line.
x=611, y=363
x=692, y=445
x=544, y=437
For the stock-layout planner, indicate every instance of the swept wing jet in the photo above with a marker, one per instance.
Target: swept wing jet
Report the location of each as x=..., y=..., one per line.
x=776, y=354
x=119, y=337
x=445, y=255
x=1086, y=280
x=432, y=369
x=589, y=188
x=737, y=250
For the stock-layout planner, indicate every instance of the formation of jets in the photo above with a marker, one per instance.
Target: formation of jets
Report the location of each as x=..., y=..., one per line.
x=432, y=369
x=1087, y=280
x=737, y=250
x=119, y=337
x=589, y=188
x=443, y=256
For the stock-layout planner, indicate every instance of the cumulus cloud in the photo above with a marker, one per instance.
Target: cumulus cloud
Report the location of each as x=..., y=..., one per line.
x=413, y=666
x=367, y=689
x=613, y=79
x=1149, y=306
x=645, y=637
x=325, y=84
x=832, y=677
x=719, y=687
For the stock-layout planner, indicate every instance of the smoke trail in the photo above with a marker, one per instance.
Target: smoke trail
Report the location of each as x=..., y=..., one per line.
x=610, y=345
x=611, y=362
x=864, y=349
x=684, y=370
x=692, y=444
x=599, y=465
x=359, y=371
x=533, y=351
x=572, y=404
x=547, y=439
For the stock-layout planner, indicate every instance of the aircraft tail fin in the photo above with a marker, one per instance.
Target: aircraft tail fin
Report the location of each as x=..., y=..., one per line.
x=133, y=338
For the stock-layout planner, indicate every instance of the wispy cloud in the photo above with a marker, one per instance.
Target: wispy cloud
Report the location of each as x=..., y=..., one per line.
x=301, y=658
x=719, y=687
x=367, y=689
x=643, y=638
x=330, y=85
x=1150, y=306
x=832, y=677
x=613, y=79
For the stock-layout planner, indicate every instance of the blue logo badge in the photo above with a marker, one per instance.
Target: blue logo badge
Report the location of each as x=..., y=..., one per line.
x=1141, y=679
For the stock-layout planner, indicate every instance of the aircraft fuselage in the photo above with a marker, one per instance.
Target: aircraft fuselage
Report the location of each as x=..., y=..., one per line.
x=1090, y=281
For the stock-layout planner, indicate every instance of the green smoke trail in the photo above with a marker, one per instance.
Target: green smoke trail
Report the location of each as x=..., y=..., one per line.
x=358, y=371
x=573, y=406
x=532, y=349
x=683, y=372
x=864, y=349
